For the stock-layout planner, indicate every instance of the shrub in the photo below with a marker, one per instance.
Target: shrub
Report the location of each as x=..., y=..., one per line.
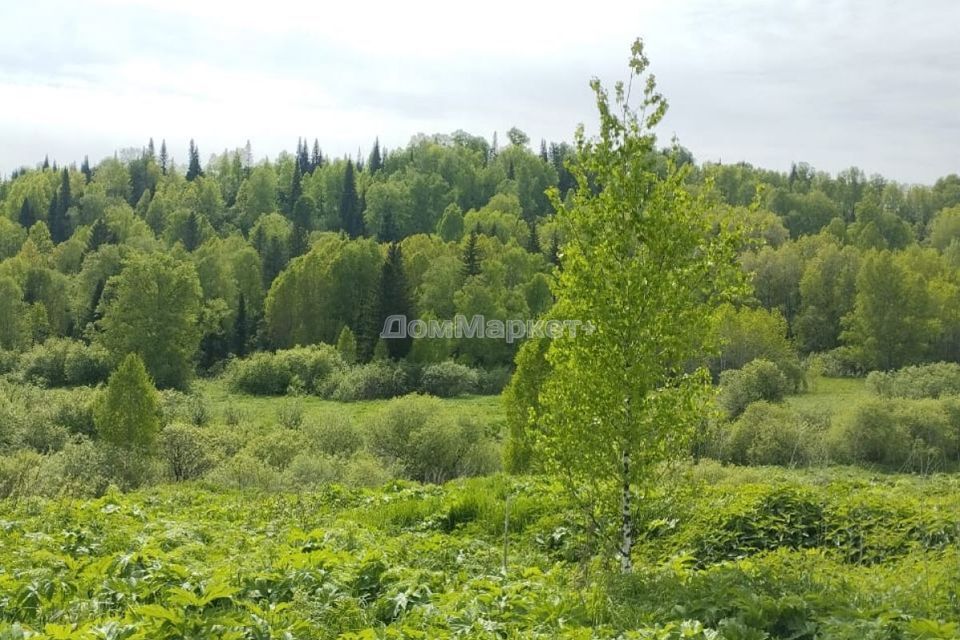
x=290, y=415
x=73, y=410
x=86, y=364
x=449, y=379
x=336, y=436
x=769, y=434
x=19, y=473
x=411, y=433
x=923, y=381
x=244, y=472
x=758, y=380
x=276, y=448
x=184, y=451
x=918, y=435
x=274, y=374
x=376, y=380
x=63, y=362
x=494, y=380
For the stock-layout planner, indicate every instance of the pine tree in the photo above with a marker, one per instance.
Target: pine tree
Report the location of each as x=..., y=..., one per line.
x=375, y=163
x=351, y=220
x=241, y=332
x=471, y=256
x=27, y=217
x=164, y=158
x=85, y=169
x=194, y=170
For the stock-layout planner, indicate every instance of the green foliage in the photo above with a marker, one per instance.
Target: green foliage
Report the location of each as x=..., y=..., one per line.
x=769, y=434
x=379, y=379
x=449, y=379
x=274, y=373
x=64, y=362
x=644, y=265
x=758, y=380
x=411, y=433
x=924, y=381
x=127, y=416
x=152, y=309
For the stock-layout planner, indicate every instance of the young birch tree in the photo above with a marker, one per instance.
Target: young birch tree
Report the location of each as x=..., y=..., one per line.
x=643, y=262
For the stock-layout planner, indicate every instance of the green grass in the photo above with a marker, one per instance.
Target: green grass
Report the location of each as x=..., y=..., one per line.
x=833, y=395
x=262, y=411
x=750, y=553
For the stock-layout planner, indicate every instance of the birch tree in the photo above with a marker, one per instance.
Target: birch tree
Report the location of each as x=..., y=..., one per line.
x=642, y=262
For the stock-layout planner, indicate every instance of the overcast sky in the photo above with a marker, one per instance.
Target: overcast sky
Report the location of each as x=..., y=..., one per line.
x=871, y=83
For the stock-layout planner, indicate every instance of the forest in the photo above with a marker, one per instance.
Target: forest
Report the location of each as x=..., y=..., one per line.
x=203, y=433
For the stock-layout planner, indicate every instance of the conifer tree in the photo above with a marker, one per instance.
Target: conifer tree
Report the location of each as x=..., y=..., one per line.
x=316, y=158
x=296, y=188
x=164, y=158
x=85, y=169
x=543, y=151
x=194, y=170
x=534, y=245
x=395, y=298
x=191, y=232
x=127, y=414
x=27, y=217
x=100, y=234
x=347, y=345
x=151, y=151
x=57, y=217
x=555, y=249
x=471, y=256
x=375, y=163
x=241, y=330
x=351, y=220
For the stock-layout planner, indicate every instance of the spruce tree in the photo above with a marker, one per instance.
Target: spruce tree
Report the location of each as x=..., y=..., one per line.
x=241, y=330
x=555, y=249
x=100, y=234
x=543, y=151
x=274, y=259
x=351, y=220
x=127, y=415
x=191, y=232
x=46, y=163
x=375, y=163
x=347, y=345
x=164, y=158
x=194, y=170
x=534, y=245
x=85, y=169
x=61, y=203
x=316, y=159
x=27, y=217
x=151, y=151
x=368, y=323
x=296, y=188
x=395, y=298
x=471, y=256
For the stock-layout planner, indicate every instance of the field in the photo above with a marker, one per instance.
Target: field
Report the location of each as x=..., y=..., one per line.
x=725, y=552
x=751, y=553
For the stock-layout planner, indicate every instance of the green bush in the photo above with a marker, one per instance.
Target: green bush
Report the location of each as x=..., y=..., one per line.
x=63, y=362
x=758, y=380
x=769, y=434
x=185, y=451
x=923, y=381
x=900, y=435
x=373, y=381
x=19, y=473
x=274, y=374
x=275, y=448
x=449, y=379
x=412, y=433
x=335, y=436
x=494, y=380
x=244, y=471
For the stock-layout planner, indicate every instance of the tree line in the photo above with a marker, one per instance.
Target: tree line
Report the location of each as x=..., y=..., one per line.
x=190, y=265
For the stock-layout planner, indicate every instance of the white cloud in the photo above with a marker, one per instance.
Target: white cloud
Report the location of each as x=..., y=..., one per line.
x=834, y=83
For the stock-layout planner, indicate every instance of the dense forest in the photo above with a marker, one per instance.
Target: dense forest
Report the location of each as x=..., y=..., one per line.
x=192, y=264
